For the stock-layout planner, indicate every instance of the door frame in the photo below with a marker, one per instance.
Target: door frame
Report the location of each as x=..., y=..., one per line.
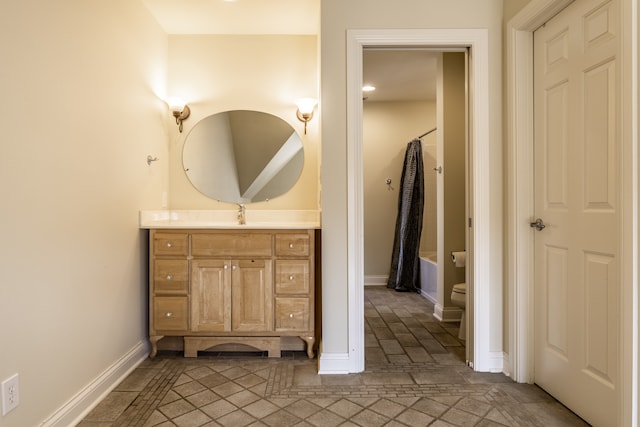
x=520, y=207
x=485, y=328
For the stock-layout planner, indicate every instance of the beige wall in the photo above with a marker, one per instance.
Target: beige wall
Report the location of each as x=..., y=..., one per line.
x=387, y=128
x=453, y=197
x=336, y=17
x=429, y=237
x=217, y=73
x=511, y=7
x=80, y=83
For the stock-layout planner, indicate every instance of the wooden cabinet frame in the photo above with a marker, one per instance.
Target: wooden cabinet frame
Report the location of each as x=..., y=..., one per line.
x=249, y=287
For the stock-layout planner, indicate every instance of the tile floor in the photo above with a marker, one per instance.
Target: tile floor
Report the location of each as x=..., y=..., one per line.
x=415, y=375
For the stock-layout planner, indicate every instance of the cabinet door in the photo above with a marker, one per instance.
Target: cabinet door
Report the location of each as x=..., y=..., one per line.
x=292, y=276
x=293, y=244
x=170, y=276
x=169, y=314
x=171, y=244
x=211, y=295
x=252, y=295
x=292, y=314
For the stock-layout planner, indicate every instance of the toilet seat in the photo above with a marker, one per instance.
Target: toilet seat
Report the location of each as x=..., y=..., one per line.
x=459, y=295
x=460, y=288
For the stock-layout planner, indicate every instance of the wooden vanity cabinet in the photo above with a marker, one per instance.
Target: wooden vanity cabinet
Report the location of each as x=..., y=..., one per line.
x=293, y=283
x=168, y=286
x=232, y=286
x=231, y=295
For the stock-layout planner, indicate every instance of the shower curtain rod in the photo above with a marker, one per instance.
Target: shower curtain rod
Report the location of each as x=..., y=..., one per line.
x=427, y=133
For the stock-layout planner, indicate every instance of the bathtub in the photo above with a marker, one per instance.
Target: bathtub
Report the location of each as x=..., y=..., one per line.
x=429, y=276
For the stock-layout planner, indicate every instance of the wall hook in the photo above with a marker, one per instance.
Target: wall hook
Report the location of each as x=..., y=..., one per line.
x=151, y=159
x=388, y=182
x=438, y=169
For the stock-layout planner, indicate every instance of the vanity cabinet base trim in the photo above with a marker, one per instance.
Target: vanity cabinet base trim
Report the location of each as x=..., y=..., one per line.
x=251, y=287
x=310, y=340
x=194, y=344
x=153, y=339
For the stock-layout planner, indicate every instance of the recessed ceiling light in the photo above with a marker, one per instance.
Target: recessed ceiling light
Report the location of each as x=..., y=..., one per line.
x=368, y=88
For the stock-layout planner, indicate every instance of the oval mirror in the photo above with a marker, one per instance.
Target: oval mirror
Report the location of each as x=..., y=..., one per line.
x=243, y=156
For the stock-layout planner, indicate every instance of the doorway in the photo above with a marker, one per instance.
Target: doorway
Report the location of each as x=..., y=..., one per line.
x=398, y=107
x=485, y=322
x=416, y=94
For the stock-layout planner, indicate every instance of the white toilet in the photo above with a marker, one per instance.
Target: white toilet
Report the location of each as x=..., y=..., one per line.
x=459, y=299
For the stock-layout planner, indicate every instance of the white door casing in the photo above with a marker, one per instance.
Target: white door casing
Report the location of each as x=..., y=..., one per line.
x=486, y=290
x=576, y=169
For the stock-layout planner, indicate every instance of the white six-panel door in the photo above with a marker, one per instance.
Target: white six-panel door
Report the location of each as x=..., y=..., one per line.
x=577, y=197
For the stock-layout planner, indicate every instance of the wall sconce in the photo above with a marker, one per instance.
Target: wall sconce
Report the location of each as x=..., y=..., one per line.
x=305, y=110
x=180, y=110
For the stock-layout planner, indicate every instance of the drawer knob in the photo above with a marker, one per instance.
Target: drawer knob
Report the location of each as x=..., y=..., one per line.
x=169, y=244
x=291, y=277
x=169, y=277
x=226, y=267
x=291, y=315
x=290, y=245
x=234, y=267
x=168, y=314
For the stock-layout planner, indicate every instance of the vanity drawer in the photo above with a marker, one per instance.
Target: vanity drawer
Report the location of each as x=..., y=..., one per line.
x=292, y=314
x=231, y=244
x=171, y=276
x=170, y=313
x=292, y=276
x=294, y=244
x=170, y=244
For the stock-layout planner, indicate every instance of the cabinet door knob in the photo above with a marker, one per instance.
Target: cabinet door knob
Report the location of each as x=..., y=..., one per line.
x=291, y=315
x=226, y=267
x=169, y=277
x=233, y=267
x=168, y=314
x=169, y=244
x=290, y=245
x=291, y=278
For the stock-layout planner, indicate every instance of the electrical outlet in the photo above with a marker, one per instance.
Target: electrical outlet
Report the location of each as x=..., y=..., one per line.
x=10, y=394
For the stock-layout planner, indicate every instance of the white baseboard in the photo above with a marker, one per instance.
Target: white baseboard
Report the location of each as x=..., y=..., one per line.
x=497, y=361
x=507, y=369
x=447, y=314
x=72, y=412
x=372, y=280
x=429, y=298
x=333, y=364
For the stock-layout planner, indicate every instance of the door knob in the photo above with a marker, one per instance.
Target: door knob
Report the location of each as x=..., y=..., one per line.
x=538, y=224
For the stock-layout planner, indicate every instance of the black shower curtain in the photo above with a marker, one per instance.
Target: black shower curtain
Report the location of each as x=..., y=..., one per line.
x=405, y=260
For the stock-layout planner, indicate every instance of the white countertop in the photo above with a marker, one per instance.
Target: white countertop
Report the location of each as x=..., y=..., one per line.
x=228, y=219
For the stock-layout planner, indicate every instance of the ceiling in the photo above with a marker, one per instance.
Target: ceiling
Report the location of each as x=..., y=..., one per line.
x=400, y=74
x=397, y=74
x=236, y=17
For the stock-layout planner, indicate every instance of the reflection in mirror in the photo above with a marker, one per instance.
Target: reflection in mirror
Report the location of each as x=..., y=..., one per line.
x=243, y=156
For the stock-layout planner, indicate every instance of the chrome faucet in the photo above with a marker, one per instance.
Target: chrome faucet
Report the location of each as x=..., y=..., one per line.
x=242, y=220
